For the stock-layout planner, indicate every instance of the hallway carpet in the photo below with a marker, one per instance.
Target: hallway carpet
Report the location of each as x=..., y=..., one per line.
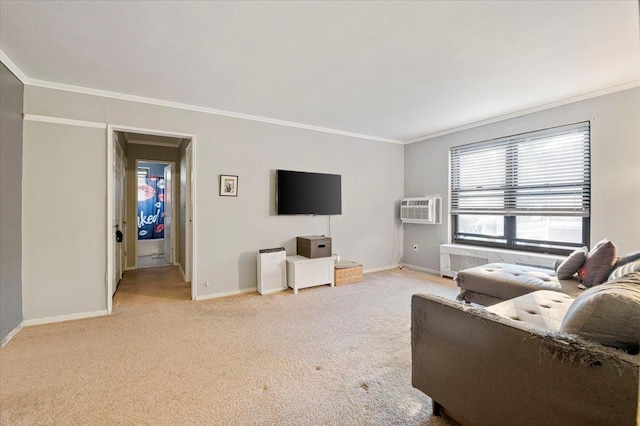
x=326, y=356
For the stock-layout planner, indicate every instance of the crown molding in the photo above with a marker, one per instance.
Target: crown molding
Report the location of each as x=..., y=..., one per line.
x=13, y=68
x=206, y=110
x=567, y=101
x=159, y=102
x=177, y=105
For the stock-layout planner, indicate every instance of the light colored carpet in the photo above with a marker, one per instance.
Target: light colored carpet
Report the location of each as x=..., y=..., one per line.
x=332, y=356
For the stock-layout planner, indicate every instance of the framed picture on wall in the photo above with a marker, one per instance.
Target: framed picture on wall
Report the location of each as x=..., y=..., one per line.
x=229, y=185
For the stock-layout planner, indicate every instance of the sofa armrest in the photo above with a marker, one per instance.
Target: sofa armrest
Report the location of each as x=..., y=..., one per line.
x=488, y=370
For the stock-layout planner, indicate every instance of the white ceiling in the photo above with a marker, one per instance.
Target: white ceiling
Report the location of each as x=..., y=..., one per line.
x=394, y=70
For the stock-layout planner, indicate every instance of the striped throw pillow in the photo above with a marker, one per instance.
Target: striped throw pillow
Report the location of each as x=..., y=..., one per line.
x=624, y=270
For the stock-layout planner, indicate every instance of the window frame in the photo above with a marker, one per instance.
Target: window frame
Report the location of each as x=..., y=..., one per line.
x=509, y=221
x=509, y=233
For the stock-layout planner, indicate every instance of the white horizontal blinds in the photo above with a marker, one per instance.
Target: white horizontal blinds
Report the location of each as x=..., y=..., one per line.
x=540, y=173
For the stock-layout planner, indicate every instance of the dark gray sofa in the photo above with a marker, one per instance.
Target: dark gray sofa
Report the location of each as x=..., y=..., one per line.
x=483, y=369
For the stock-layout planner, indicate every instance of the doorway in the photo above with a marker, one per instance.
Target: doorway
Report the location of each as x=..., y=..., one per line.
x=169, y=158
x=155, y=195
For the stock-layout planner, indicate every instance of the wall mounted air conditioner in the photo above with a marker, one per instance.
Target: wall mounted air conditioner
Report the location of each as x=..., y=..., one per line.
x=424, y=210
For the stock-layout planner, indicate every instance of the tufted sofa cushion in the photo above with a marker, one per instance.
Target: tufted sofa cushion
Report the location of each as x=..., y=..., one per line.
x=541, y=309
x=506, y=281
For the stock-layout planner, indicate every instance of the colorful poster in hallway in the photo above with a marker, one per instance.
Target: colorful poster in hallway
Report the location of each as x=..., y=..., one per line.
x=150, y=207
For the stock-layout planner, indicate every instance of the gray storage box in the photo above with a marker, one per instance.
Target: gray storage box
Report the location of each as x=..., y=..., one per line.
x=314, y=246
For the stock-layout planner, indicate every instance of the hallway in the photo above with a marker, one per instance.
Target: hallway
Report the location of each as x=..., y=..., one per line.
x=152, y=261
x=137, y=286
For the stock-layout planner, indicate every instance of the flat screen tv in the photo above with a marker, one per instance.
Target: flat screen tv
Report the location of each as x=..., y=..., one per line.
x=308, y=193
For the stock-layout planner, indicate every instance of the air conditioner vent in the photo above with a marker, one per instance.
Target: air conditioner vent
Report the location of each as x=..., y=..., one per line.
x=423, y=210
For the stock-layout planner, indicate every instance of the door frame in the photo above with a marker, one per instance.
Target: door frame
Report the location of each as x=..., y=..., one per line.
x=123, y=212
x=173, y=209
x=189, y=248
x=188, y=213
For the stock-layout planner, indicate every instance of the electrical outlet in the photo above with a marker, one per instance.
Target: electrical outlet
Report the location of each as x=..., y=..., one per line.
x=415, y=247
x=205, y=284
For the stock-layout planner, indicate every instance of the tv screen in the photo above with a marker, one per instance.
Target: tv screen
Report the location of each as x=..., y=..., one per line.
x=308, y=193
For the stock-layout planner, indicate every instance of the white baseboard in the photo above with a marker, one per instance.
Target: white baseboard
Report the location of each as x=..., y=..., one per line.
x=12, y=333
x=278, y=290
x=130, y=268
x=382, y=268
x=227, y=293
x=184, y=276
x=421, y=269
x=60, y=318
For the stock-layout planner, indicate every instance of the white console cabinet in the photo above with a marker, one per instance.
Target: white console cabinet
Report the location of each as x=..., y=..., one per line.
x=303, y=272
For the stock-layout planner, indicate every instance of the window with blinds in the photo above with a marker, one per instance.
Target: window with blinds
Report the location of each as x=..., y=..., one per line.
x=525, y=191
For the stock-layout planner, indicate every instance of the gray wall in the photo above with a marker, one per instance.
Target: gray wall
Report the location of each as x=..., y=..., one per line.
x=615, y=173
x=11, y=101
x=145, y=152
x=64, y=217
x=230, y=230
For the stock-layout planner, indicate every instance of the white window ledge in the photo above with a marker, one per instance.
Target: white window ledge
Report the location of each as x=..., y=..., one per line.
x=456, y=257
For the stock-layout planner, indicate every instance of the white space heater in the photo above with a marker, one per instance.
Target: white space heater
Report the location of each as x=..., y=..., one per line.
x=424, y=210
x=272, y=270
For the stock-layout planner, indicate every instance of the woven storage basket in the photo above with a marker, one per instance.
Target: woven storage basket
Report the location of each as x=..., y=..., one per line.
x=350, y=275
